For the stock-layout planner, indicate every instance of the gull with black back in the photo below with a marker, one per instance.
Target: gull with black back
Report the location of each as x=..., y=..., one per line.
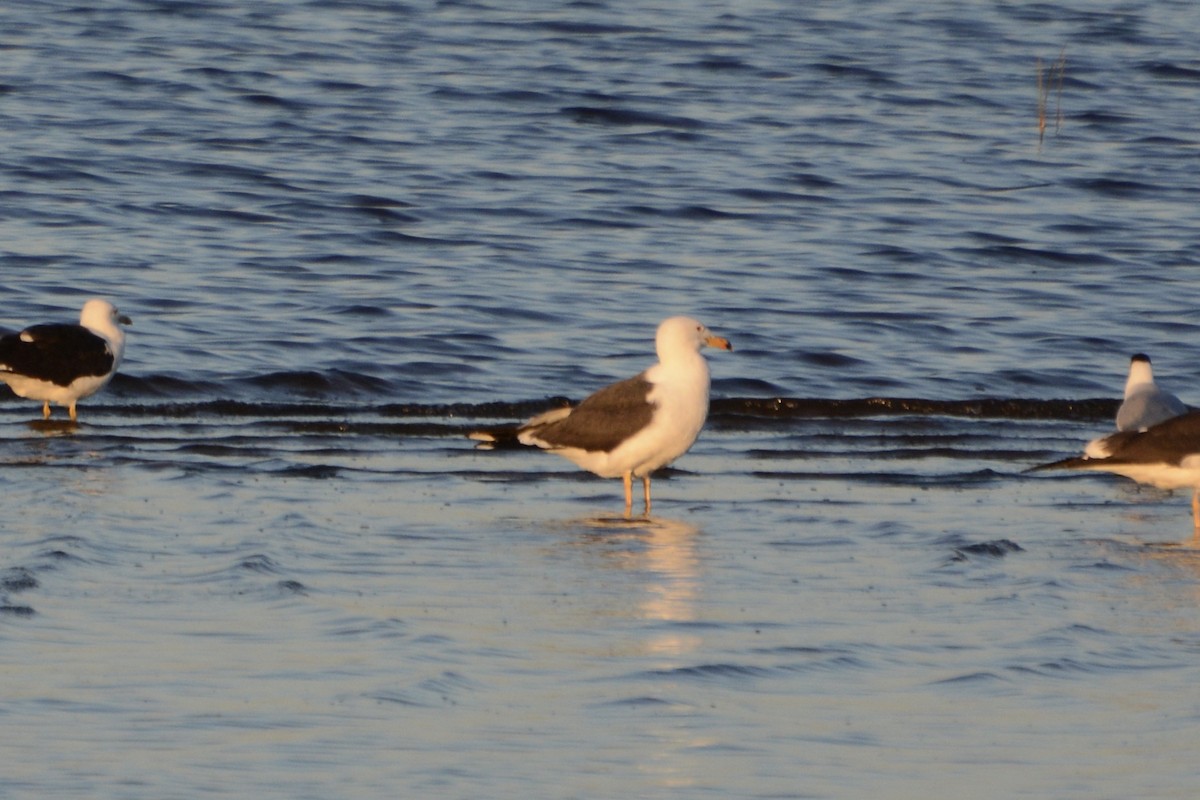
x=633, y=427
x=64, y=362
x=1166, y=455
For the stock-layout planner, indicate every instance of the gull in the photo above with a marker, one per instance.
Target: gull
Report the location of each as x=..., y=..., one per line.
x=633, y=427
x=61, y=362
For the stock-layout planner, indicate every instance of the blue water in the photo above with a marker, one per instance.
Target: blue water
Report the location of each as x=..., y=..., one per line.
x=269, y=563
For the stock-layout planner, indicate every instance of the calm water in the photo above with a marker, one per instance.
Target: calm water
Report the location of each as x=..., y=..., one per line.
x=269, y=564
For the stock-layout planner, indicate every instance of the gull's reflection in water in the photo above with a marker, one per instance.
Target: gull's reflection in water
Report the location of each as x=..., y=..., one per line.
x=655, y=576
x=53, y=427
x=663, y=553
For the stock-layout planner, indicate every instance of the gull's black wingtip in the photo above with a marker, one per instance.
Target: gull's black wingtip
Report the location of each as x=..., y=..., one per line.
x=498, y=438
x=1074, y=462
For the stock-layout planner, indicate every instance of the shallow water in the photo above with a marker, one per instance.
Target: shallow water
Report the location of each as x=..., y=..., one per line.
x=268, y=562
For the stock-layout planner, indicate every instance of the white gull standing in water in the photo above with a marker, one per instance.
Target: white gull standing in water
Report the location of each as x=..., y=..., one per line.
x=635, y=426
x=61, y=363
x=1145, y=404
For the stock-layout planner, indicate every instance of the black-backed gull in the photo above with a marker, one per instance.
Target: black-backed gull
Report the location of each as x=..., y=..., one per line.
x=62, y=362
x=1166, y=455
x=633, y=427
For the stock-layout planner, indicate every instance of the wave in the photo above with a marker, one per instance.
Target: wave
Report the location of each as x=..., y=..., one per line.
x=337, y=394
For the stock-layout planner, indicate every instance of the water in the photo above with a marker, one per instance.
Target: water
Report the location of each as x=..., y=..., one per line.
x=269, y=563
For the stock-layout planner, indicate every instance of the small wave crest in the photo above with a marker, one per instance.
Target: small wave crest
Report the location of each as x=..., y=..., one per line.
x=335, y=394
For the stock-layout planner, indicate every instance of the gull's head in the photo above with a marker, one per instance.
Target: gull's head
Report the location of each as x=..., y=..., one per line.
x=102, y=314
x=102, y=318
x=1140, y=372
x=683, y=334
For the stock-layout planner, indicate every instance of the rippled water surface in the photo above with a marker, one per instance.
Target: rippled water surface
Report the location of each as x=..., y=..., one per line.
x=269, y=563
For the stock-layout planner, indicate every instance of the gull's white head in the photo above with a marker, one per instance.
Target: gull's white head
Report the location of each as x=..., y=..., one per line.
x=103, y=319
x=678, y=335
x=1140, y=373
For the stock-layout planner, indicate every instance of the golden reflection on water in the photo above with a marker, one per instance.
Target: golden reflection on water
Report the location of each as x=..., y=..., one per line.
x=54, y=426
x=662, y=552
x=671, y=557
x=1176, y=584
